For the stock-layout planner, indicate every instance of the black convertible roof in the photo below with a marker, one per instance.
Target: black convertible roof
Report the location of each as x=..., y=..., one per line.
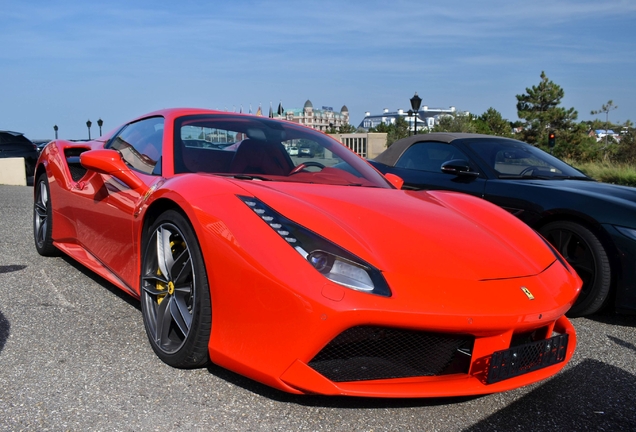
x=391, y=155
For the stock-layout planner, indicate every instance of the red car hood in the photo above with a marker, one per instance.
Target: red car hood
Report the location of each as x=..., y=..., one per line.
x=437, y=233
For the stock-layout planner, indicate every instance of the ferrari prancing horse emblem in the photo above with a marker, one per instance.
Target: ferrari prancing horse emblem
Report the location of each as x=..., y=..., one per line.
x=527, y=292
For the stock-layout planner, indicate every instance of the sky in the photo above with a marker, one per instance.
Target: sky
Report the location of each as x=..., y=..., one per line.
x=65, y=62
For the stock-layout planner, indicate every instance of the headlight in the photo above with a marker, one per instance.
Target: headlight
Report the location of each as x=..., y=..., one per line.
x=329, y=259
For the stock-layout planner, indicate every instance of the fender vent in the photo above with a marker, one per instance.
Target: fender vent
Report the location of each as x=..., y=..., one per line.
x=76, y=169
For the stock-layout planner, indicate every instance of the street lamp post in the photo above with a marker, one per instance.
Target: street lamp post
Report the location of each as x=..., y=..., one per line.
x=100, y=122
x=55, y=129
x=88, y=125
x=416, y=103
x=410, y=113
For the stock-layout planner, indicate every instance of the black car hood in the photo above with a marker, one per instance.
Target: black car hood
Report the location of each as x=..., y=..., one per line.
x=605, y=191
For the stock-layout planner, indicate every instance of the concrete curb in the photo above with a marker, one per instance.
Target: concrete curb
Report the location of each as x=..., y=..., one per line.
x=12, y=171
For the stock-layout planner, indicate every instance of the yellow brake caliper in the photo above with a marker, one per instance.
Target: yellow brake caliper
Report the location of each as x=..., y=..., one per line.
x=162, y=286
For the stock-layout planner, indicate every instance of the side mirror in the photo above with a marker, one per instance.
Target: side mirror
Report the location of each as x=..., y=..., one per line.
x=110, y=162
x=394, y=180
x=458, y=167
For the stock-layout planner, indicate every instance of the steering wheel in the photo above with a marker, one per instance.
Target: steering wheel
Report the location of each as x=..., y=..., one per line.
x=304, y=165
x=527, y=170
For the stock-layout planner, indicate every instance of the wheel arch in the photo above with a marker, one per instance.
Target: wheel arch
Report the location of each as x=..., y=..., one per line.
x=39, y=170
x=153, y=212
x=156, y=208
x=596, y=229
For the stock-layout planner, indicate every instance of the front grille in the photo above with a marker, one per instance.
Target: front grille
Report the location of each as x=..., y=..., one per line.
x=370, y=353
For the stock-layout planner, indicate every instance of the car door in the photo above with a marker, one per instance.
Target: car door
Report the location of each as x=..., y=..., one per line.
x=420, y=166
x=105, y=206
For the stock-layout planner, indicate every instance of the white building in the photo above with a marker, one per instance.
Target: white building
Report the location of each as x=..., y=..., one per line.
x=322, y=119
x=426, y=117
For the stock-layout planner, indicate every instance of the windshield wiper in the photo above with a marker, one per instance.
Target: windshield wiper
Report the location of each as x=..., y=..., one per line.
x=246, y=177
x=526, y=177
x=544, y=177
x=565, y=177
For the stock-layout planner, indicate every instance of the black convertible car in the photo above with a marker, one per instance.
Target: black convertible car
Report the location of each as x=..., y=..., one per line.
x=592, y=224
x=15, y=144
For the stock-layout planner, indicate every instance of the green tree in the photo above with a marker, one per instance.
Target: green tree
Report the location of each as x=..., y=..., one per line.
x=345, y=128
x=492, y=123
x=540, y=109
x=625, y=150
x=605, y=108
x=574, y=143
x=460, y=122
x=394, y=131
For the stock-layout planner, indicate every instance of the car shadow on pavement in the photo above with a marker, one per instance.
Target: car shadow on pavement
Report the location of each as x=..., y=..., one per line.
x=103, y=282
x=590, y=396
x=613, y=318
x=329, y=401
x=5, y=328
x=11, y=268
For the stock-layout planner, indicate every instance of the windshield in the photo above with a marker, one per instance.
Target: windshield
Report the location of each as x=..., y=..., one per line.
x=516, y=159
x=256, y=148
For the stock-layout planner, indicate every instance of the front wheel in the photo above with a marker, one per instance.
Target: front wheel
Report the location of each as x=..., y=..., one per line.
x=586, y=254
x=175, y=297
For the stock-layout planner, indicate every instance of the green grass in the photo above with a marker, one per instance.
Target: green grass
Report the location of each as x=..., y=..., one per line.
x=608, y=173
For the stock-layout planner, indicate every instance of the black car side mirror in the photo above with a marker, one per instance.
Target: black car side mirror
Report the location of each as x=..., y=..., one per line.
x=458, y=167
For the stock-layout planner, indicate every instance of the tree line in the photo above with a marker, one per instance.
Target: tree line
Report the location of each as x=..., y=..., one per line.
x=540, y=112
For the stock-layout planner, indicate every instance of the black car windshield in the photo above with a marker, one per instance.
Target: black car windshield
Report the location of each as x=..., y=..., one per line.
x=516, y=159
x=248, y=147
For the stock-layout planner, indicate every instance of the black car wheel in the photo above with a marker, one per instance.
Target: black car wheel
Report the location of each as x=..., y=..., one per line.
x=175, y=298
x=42, y=220
x=585, y=253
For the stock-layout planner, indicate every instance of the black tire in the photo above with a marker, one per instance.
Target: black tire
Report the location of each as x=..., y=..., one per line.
x=42, y=218
x=586, y=254
x=175, y=296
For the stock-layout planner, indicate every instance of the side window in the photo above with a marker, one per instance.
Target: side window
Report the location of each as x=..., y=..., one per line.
x=520, y=161
x=140, y=145
x=429, y=156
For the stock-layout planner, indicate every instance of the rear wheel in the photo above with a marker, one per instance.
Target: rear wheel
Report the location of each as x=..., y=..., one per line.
x=42, y=220
x=586, y=254
x=175, y=298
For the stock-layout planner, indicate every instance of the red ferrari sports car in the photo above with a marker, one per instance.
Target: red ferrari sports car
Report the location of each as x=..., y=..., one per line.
x=313, y=276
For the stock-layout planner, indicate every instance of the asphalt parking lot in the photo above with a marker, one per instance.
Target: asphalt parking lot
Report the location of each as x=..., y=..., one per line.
x=74, y=356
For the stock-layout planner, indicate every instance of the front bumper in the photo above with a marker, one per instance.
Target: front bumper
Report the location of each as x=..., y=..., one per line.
x=625, y=265
x=474, y=380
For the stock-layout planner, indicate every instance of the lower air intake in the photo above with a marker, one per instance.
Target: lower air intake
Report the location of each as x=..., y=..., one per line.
x=372, y=353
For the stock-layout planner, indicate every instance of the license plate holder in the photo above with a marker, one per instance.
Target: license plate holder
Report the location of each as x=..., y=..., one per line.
x=523, y=359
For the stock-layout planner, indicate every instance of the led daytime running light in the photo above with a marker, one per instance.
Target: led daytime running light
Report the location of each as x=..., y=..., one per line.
x=333, y=262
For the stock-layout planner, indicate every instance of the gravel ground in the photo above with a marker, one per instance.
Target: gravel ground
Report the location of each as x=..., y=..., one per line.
x=74, y=356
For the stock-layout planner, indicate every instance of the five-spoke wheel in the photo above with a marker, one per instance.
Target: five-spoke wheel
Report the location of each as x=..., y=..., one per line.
x=42, y=220
x=175, y=298
x=586, y=254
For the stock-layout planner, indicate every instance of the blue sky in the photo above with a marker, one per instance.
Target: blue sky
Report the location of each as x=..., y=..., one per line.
x=64, y=62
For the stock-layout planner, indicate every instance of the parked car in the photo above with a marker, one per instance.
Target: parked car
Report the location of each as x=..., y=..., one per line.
x=327, y=280
x=592, y=224
x=40, y=143
x=306, y=151
x=293, y=151
x=15, y=144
